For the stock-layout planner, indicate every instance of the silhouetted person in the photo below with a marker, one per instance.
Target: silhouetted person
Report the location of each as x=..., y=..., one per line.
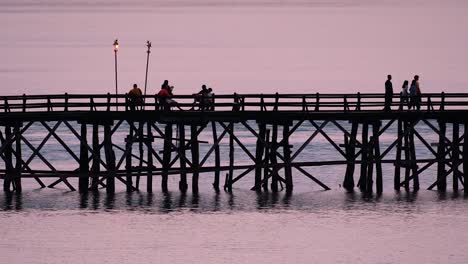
x=198, y=98
x=405, y=94
x=134, y=97
x=164, y=96
x=388, y=93
x=415, y=93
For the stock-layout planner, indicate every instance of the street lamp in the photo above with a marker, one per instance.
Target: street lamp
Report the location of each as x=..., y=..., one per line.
x=116, y=48
x=148, y=45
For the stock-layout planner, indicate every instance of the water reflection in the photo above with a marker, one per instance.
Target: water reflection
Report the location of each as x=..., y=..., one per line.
x=221, y=201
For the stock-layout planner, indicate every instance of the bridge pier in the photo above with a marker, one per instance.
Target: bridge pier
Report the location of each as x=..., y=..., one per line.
x=83, y=181
x=259, y=151
x=217, y=156
x=287, y=159
x=195, y=157
x=166, y=156
x=350, y=146
x=441, y=173
x=96, y=159
x=110, y=159
x=183, y=165
x=465, y=159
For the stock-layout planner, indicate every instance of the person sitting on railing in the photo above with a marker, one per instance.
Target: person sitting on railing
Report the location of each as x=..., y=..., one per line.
x=198, y=98
x=164, y=95
x=405, y=94
x=388, y=93
x=134, y=97
x=209, y=100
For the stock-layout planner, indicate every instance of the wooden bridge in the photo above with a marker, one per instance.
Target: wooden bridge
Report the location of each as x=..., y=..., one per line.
x=271, y=119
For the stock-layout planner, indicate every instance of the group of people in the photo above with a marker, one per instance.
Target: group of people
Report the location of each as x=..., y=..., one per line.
x=203, y=99
x=410, y=95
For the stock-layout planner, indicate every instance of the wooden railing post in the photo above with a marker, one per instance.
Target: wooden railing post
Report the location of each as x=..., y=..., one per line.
x=317, y=102
x=275, y=108
x=24, y=102
x=109, y=101
x=66, y=102
x=358, y=105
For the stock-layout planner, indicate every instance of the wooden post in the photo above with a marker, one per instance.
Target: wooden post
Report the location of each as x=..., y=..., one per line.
x=83, y=181
x=441, y=179
x=407, y=155
x=348, y=182
x=8, y=160
x=217, y=157
x=274, y=149
x=110, y=159
x=414, y=165
x=455, y=155
x=141, y=151
x=166, y=156
x=183, y=173
x=231, y=157
x=370, y=168
x=149, y=144
x=378, y=163
x=287, y=159
x=364, y=157
x=128, y=159
x=19, y=158
x=96, y=159
x=260, y=148
x=465, y=159
x=196, y=158
x=396, y=179
x=266, y=160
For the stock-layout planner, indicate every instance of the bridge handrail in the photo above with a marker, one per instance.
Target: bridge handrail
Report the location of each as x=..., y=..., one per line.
x=227, y=102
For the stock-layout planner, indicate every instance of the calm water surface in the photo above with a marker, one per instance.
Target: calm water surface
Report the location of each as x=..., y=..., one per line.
x=51, y=46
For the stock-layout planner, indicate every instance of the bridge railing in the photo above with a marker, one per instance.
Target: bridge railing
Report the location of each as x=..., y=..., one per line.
x=233, y=102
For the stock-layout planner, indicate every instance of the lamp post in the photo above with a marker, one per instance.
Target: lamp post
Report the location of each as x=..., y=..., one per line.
x=116, y=48
x=148, y=45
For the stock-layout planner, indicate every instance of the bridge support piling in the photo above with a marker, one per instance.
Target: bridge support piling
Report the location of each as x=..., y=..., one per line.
x=19, y=158
x=166, y=156
x=110, y=159
x=378, y=163
x=231, y=157
x=455, y=155
x=196, y=158
x=396, y=179
x=217, y=157
x=9, y=171
x=364, y=157
x=465, y=159
x=149, y=147
x=414, y=164
x=140, y=136
x=128, y=158
x=287, y=159
x=182, y=154
x=260, y=149
x=441, y=178
x=274, y=149
x=348, y=182
x=407, y=154
x=95, y=168
x=83, y=181
x=266, y=161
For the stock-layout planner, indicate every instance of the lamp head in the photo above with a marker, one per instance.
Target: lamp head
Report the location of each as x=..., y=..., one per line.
x=116, y=45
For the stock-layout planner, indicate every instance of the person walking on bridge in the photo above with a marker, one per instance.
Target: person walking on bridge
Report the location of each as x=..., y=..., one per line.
x=388, y=93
